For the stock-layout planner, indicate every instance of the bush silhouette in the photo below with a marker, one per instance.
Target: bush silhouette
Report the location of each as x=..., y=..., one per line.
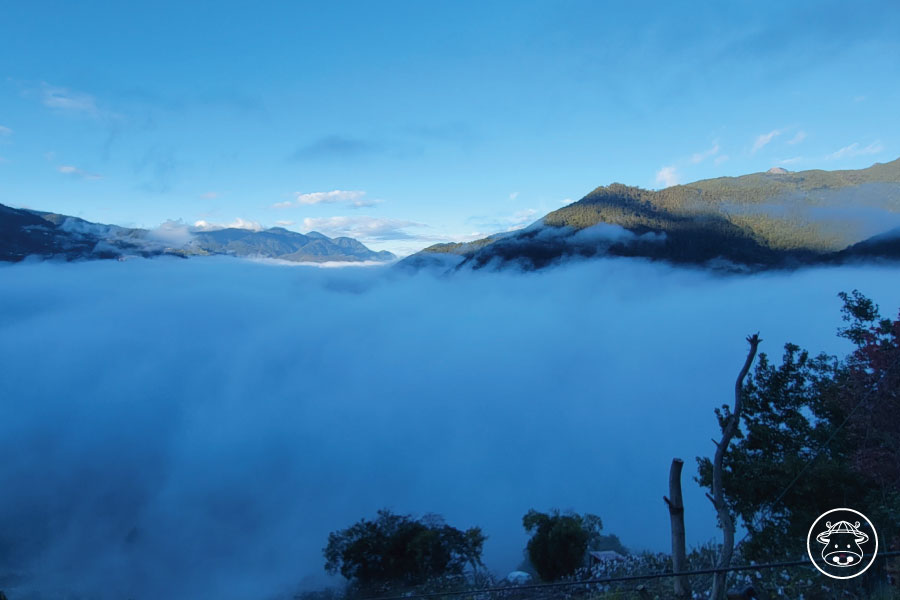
x=558, y=542
x=399, y=550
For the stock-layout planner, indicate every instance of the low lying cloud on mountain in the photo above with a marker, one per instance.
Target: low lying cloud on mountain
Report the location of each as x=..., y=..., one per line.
x=173, y=234
x=596, y=237
x=196, y=428
x=238, y=223
x=604, y=233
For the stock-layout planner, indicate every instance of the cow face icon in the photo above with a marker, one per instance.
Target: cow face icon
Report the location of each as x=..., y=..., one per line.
x=842, y=543
x=848, y=543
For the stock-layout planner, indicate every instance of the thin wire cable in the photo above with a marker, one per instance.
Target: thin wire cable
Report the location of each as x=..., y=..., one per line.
x=605, y=580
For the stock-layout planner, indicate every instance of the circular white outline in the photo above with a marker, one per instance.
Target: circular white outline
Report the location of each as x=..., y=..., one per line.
x=813, y=560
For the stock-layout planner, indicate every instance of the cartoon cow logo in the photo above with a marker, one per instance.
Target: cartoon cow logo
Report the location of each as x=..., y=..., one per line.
x=848, y=543
x=842, y=543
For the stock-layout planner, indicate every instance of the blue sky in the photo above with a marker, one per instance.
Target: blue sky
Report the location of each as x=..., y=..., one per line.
x=409, y=123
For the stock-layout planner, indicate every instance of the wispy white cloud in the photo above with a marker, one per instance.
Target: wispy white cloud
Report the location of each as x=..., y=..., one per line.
x=699, y=157
x=521, y=218
x=5, y=130
x=514, y=195
x=332, y=197
x=791, y=161
x=720, y=159
x=284, y=223
x=209, y=195
x=855, y=149
x=351, y=198
x=364, y=228
x=764, y=139
x=504, y=222
x=667, y=176
x=238, y=223
x=798, y=137
x=76, y=172
x=66, y=100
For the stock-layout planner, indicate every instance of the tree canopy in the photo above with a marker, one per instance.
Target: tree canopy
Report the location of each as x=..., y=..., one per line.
x=400, y=550
x=559, y=541
x=818, y=432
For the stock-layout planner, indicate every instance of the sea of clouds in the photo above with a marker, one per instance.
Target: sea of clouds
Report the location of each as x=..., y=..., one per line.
x=195, y=428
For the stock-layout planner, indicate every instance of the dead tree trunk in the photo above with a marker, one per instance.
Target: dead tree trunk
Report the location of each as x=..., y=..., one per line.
x=676, y=518
x=726, y=521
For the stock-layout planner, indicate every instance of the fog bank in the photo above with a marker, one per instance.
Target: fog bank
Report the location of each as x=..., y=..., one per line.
x=196, y=428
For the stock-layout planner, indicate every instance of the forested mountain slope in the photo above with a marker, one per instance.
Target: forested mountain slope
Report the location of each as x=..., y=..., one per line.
x=776, y=218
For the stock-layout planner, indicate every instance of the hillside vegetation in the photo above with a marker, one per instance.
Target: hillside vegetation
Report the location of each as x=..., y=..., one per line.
x=761, y=219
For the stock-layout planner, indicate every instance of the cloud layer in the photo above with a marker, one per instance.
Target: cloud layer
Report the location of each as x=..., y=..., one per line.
x=188, y=429
x=351, y=198
x=362, y=228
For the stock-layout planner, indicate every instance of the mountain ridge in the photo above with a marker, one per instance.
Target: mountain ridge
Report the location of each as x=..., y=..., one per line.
x=28, y=232
x=759, y=220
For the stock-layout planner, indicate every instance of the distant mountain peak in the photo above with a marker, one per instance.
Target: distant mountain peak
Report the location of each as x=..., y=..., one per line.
x=777, y=171
x=28, y=233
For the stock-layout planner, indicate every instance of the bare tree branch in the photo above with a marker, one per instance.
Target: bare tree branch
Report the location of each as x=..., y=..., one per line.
x=726, y=521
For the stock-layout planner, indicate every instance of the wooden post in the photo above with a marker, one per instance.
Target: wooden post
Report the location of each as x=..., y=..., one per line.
x=676, y=518
x=726, y=522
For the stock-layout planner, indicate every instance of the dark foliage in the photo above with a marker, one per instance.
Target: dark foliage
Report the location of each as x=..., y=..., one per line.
x=558, y=542
x=818, y=433
x=398, y=550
